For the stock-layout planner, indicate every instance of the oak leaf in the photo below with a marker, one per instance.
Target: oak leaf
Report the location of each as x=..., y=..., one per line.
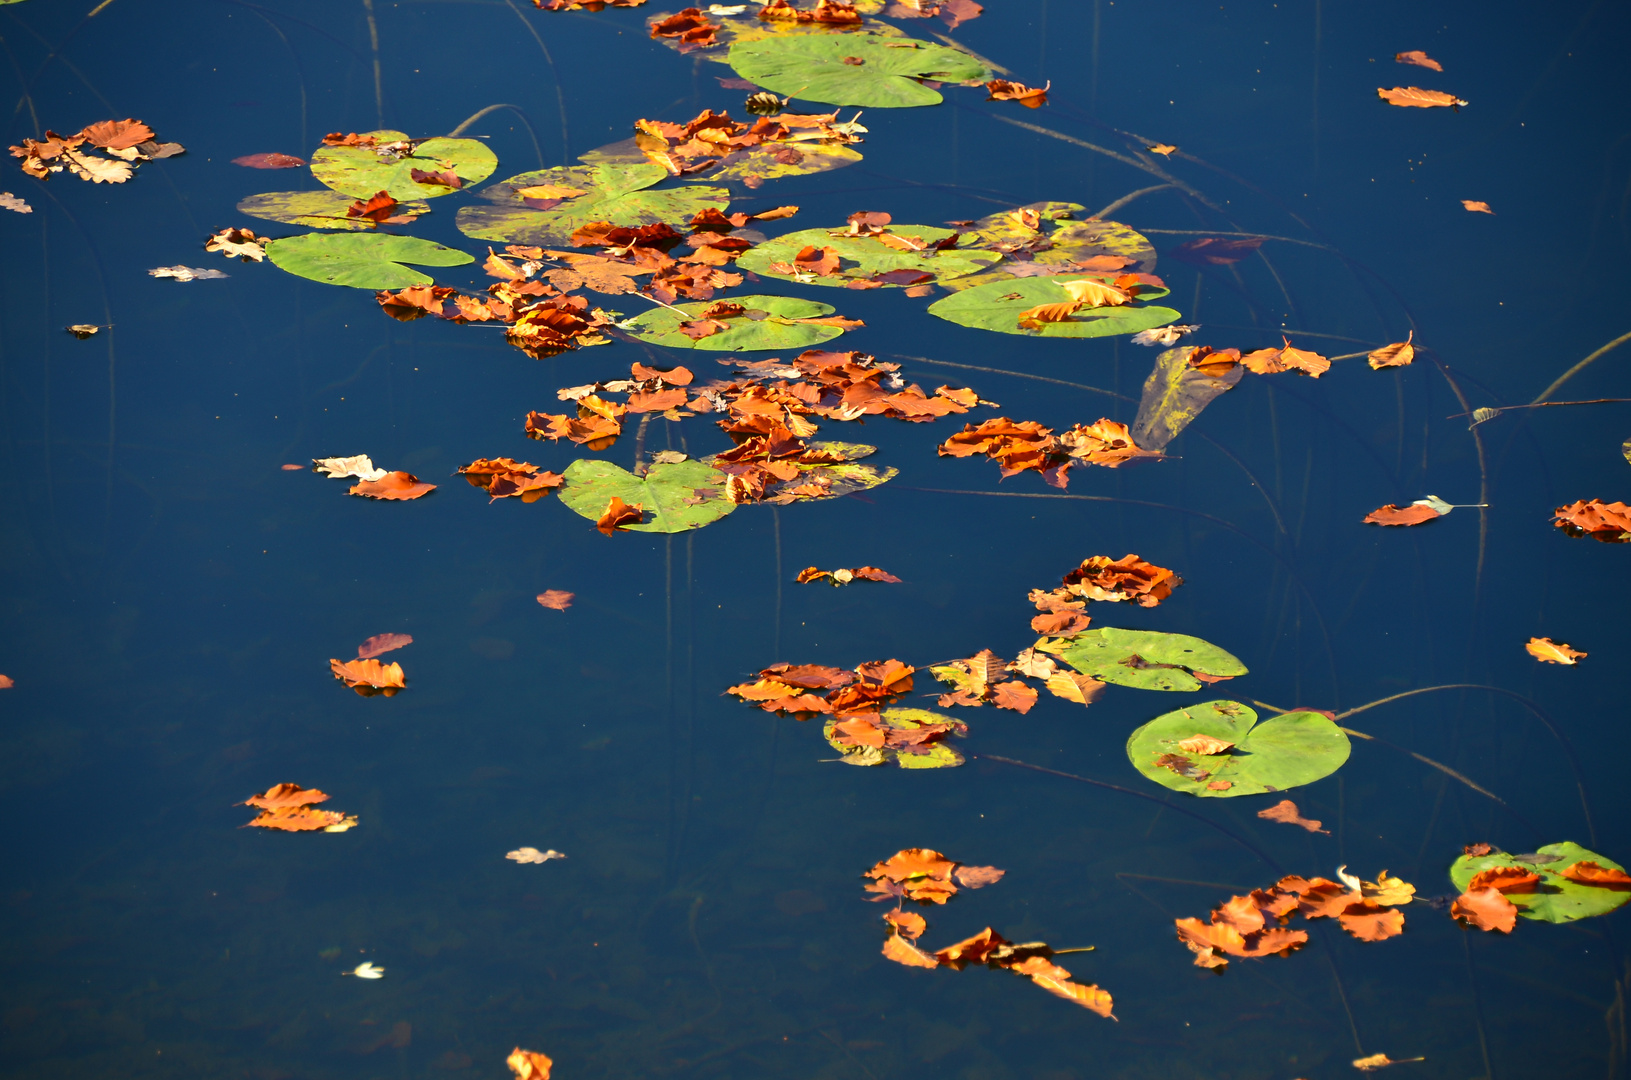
x=1032, y=97
x=117, y=134
x=1553, y=652
x=239, y=243
x=369, y=677
x=1416, y=97
x=1486, y=909
x=1398, y=354
x=1286, y=811
x=303, y=819
x=1419, y=59
x=382, y=643
x=1128, y=578
x=1608, y=522
x=555, y=599
x=338, y=468
x=393, y=485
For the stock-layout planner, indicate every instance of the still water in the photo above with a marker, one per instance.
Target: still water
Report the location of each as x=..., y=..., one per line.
x=172, y=596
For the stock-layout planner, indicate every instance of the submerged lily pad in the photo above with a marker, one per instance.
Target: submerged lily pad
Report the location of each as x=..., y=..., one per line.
x=1147, y=659
x=316, y=209
x=611, y=191
x=824, y=67
x=997, y=306
x=1284, y=751
x=1064, y=236
x=1174, y=394
x=769, y=322
x=753, y=165
x=1556, y=899
x=864, y=256
x=361, y=260
x=898, y=726
x=675, y=496
x=360, y=171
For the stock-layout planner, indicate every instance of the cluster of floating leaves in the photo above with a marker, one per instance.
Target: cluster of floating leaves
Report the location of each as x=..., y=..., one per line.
x=292, y=808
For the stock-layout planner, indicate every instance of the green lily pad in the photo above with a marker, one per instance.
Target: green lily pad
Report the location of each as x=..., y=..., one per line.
x=813, y=68
x=1174, y=395
x=864, y=256
x=751, y=166
x=770, y=322
x=997, y=305
x=676, y=497
x=1065, y=235
x=612, y=191
x=1146, y=659
x=316, y=209
x=1556, y=899
x=936, y=755
x=1284, y=751
x=361, y=260
x=747, y=26
x=360, y=171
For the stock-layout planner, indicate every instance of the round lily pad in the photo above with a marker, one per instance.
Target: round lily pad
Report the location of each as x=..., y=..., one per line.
x=676, y=497
x=861, y=257
x=360, y=171
x=1147, y=659
x=1064, y=236
x=853, y=69
x=361, y=260
x=769, y=322
x=564, y=199
x=1556, y=899
x=316, y=209
x=1284, y=751
x=753, y=165
x=997, y=306
x=900, y=726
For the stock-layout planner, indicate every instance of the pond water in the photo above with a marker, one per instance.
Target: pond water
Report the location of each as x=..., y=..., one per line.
x=173, y=596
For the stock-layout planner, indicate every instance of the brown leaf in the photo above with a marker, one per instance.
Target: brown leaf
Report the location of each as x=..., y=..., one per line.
x=1127, y=578
x=618, y=515
x=1072, y=686
x=370, y=677
x=382, y=643
x=1013, y=695
x=1608, y=522
x=555, y=599
x=1056, y=980
x=1398, y=354
x=1505, y=880
x=1369, y=921
x=902, y=951
x=1588, y=872
x=1032, y=97
x=529, y=1064
x=393, y=485
x=1204, y=745
x=972, y=950
x=1418, y=58
x=1486, y=909
x=1477, y=849
x=1414, y=514
x=284, y=796
x=1060, y=623
x=303, y=819
x=117, y=134
x=269, y=161
x=1379, y=1061
x=1552, y=652
x=1286, y=811
x=1418, y=98
x=1034, y=318
x=7, y=682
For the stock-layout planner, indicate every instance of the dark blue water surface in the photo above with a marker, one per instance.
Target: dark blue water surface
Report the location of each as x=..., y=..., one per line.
x=172, y=597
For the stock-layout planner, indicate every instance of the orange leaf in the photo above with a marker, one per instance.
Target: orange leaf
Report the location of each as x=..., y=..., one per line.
x=1552, y=652
x=1477, y=207
x=529, y=1064
x=1418, y=58
x=1286, y=811
x=369, y=677
x=978, y=877
x=1060, y=623
x=1414, y=514
x=1090, y=293
x=1486, y=909
x=1013, y=695
x=302, y=819
x=971, y=950
x=1505, y=880
x=117, y=134
x=393, y=485
x=382, y=643
x=6, y=682
x=1164, y=149
x=1056, y=980
x=1418, y=98
x=1033, y=318
x=908, y=924
x=1126, y=578
x=1588, y=872
x=619, y=514
x=1203, y=744
x=1032, y=97
x=1369, y=921
x=901, y=951
x=555, y=599
x=1398, y=354
x=284, y=796
x=1082, y=689
x=913, y=863
x=1608, y=522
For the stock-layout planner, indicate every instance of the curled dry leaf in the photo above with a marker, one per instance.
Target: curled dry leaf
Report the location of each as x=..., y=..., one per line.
x=827, y=12
x=290, y=808
x=12, y=202
x=1398, y=354
x=370, y=677
x=1552, y=652
x=1127, y=578
x=1018, y=446
x=85, y=330
x=337, y=468
x=844, y=577
x=1164, y=335
x=506, y=478
x=1608, y=522
x=1589, y=872
x=1487, y=909
x=237, y=243
x=1032, y=97
x=393, y=486
x=382, y=643
x=908, y=924
x=897, y=948
x=530, y=1064
x=1416, y=97
x=1073, y=686
x=1286, y=811
x=555, y=599
x=618, y=515
x=1419, y=59
x=366, y=970
x=1204, y=744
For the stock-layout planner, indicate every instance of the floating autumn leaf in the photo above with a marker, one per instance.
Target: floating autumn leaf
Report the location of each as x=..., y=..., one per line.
x=338, y=468
x=370, y=677
x=532, y=855
x=1563, y=893
x=925, y=876
x=385, y=161
x=1274, y=361
x=1485, y=909
x=361, y=260
x=844, y=577
x=1216, y=250
x=1378, y=1061
x=1429, y=509
x=619, y=515
x=1552, y=652
x=1477, y=207
x=1113, y=580
x=1416, y=97
x=1044, y=306
x=975, y=681
x=289, y=808
x=1164, y=335
x=909, y=738
x=12, y=202
x=319, y=209
x=380, y=644
x=898, y=948
x=366, y=970
x=7, y=682
x=1242, y=928
x=86, y=330
x=908, y=924
x=582, y=5
x=1286, y=811
x=1285, y=751
x=237, y=243
x=1398, y=354
x=1608, y=522
x=820, y=68
x=378, y=209
x=555, y=599
x=1019, y=446
x=393, y=486
x=530, y=1064
x=269, y=161
x=1032, y=97
x=789, y=689
x=504, y=478
x=951, y=12
x=125, y=141
x=1419, y=59
x=186, y=273
x=1145, y=659
x=892, y=255
x=1164, y=149
x=1176, y=390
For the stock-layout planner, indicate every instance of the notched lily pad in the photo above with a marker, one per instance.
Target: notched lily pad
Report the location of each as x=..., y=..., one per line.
x=675, y=497
x=864, y=258
x=1250, y=758
x=317, y=209
x=360, y=171
x=1556, y=899
x=910, y=738
x=768, y=322
x=361, y=260
x=1147, y=659
x=546, y=206
x=997, y=306
x=866, y=70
